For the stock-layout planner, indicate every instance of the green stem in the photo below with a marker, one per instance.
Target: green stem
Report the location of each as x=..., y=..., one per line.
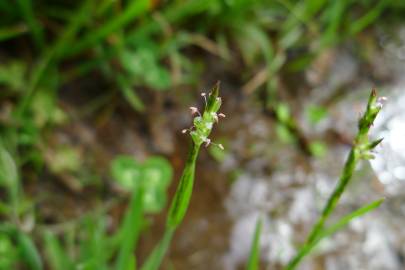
x=330, y=206
x=184, y=190
x=158, y=253
x=177, y=210
x=360, y=149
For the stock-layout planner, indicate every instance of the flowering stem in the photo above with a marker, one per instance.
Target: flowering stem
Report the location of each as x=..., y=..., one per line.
x=361, y=149
x=200, y=131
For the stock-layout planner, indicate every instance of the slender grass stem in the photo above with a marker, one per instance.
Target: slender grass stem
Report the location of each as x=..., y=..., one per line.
x=200, y=131
x=361, y=149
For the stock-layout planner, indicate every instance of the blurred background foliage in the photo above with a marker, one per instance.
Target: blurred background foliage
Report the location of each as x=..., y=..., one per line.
x=96, y=61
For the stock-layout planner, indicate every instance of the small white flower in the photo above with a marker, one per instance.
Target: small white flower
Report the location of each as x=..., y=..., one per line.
x=222, y=115
x=207, y=142
x=184, y=131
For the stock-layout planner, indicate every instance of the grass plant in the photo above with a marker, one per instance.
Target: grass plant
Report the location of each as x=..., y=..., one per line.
x=199, y=132
x=361, y=149
x=142, y=48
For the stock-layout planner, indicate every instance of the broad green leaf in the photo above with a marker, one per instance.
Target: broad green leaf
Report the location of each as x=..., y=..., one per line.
x=153, y=176
x=126, y=171
x=157, y=172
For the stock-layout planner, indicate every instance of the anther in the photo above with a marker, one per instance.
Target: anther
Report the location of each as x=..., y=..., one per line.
x=380, y=102
x=204, y=95
x=194, y=110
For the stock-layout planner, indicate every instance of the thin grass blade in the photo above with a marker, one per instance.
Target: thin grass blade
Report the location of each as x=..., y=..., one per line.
x=129, y=231
x=135, y=9
x=29, y=252
x=56, y=256
x=156, y=257
x=27, y=13
x=331, y=230
x=253, y=262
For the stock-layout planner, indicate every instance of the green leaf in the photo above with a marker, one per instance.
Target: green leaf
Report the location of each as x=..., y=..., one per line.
x=29, y=252
x=157, y=171
x=367, y=19
x=348, y=218
x=306, y=249
x=154, y=176
x=27, y=13
x=316, y=113
x=284, y=134
x=9, y=177
x=8, y=169
x=12, y=31
x=143, y=66
x=8, y=253
x=253, y=262
x=283, y=113
x=57, y=258
x=133, y=10
x=126, y=171
x=129, y=93
x=93, y=243
x=318, y=148
x=130, y=230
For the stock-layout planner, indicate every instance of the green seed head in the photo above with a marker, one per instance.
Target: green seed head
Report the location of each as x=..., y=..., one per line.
x=374, y=106
x=203, y=123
